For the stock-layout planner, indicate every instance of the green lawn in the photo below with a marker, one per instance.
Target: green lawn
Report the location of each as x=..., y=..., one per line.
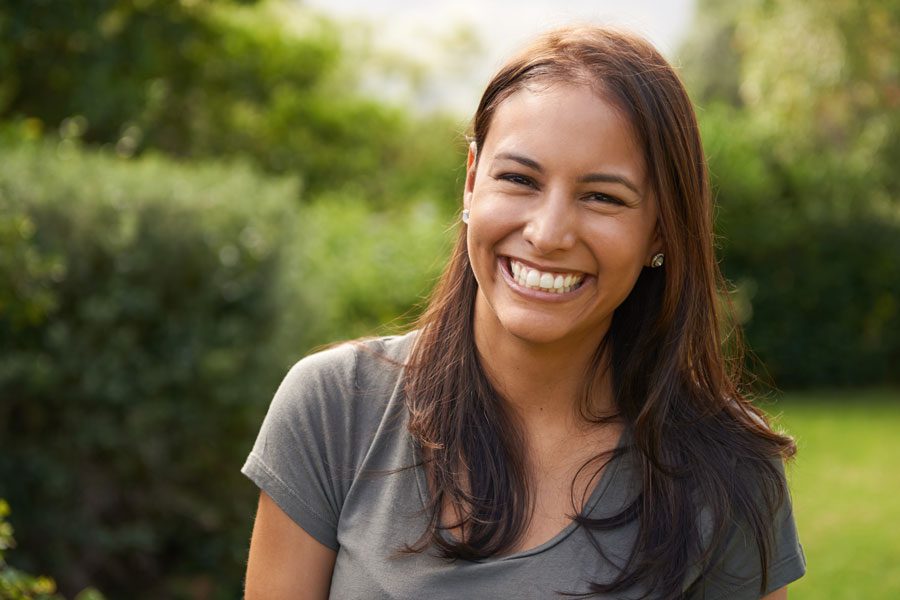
x=845, y=483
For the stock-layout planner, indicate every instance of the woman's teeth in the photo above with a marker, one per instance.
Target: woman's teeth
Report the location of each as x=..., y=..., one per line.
x=558, y=283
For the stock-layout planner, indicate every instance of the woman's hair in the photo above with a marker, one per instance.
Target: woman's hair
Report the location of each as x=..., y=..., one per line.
x=697, y=440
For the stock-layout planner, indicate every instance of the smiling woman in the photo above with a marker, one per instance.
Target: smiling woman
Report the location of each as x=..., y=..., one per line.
x=559, y=190
x=562, y=421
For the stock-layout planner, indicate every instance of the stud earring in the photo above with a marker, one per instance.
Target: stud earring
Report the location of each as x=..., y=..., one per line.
x=465, y=216
x=657, y=260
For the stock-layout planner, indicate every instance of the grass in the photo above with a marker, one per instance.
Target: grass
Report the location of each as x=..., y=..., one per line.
x=845, y=484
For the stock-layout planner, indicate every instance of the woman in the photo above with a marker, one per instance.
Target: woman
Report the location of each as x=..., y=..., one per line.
x=564, y=421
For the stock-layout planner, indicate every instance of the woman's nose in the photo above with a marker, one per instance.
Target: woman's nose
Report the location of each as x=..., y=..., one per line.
x=551, y=225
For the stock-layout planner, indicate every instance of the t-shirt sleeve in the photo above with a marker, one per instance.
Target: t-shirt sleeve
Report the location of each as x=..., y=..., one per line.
x=300, y=457
x=737, y=576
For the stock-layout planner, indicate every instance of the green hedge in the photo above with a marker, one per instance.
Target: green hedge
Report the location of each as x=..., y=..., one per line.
x=356, y=271
x=825, y=303
x=270, y=82
x=813, y=248
x=138, y=302
x=19, y=585
x=147, y=312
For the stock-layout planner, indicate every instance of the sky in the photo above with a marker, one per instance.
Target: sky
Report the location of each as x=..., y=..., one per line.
x=428, y=29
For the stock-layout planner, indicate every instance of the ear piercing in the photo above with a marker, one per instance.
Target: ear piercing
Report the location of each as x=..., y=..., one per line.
x=465, y=216
x=655, y=262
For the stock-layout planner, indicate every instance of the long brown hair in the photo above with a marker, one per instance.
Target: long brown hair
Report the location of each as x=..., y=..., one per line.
x=691, y=425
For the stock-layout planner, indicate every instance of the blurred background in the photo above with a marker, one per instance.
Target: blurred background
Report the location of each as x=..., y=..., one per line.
x=196, y=193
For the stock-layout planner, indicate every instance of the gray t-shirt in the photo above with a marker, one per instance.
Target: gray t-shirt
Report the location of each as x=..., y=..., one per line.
x=335, y=455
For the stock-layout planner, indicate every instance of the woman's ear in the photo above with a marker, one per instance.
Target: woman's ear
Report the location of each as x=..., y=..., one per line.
x=471, y=164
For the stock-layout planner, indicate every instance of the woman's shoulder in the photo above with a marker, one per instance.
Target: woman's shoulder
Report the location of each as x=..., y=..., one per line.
x=354, y=362
x=347, y=381
x=734, y=569
x=320, y=425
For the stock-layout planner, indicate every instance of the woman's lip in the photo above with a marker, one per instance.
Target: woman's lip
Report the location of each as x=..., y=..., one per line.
x=502, y=265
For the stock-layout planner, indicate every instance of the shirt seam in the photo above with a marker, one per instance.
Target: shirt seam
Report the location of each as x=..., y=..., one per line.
x=756, y=579
x=306, y=505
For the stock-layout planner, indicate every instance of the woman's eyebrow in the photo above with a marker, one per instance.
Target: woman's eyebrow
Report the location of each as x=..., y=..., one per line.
x=610, y=178
x=522, y=160
x=589, y=178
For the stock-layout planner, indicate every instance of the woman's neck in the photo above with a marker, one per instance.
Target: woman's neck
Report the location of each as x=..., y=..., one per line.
x=543, y=383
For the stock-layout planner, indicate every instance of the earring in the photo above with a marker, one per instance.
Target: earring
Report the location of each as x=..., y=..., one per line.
x=465, y=216
x=657, y=260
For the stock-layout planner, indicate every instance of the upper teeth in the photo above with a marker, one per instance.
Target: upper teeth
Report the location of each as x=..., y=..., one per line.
x=551, y=282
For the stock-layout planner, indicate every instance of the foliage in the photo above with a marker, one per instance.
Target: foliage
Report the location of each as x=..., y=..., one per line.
x=148, y=310
x=15, y=584
x=826, y=302
x=821, y=282
x=18, y=585
x=802, y=152
x=354, y=270
x=819, y=108
x=136, y=348
x=211, y=79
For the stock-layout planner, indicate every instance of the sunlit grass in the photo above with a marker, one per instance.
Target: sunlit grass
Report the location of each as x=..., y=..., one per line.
x=845, y=483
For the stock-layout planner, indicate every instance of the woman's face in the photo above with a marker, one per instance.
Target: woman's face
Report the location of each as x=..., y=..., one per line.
x=561, y=217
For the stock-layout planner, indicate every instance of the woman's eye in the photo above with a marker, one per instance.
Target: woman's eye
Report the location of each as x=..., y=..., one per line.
x=517, y=179
x=605, y=198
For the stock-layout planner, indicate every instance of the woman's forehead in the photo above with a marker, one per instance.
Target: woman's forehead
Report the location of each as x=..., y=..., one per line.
x=567, y=124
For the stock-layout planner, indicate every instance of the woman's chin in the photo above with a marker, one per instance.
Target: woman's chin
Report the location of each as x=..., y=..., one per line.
x=538, y=331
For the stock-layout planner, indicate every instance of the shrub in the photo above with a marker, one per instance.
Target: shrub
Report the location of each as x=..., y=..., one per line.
x=147, y=312
x=813, y=250
x=19, y=585
x=825, y=302
x=272, y=82
x=138, y=303
x=354, y=269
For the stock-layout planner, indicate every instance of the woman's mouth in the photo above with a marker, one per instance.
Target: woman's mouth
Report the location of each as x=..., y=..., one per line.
x=545, y=281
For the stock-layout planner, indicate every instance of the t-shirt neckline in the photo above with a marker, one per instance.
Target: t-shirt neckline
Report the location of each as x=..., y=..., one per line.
x=606, y=478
